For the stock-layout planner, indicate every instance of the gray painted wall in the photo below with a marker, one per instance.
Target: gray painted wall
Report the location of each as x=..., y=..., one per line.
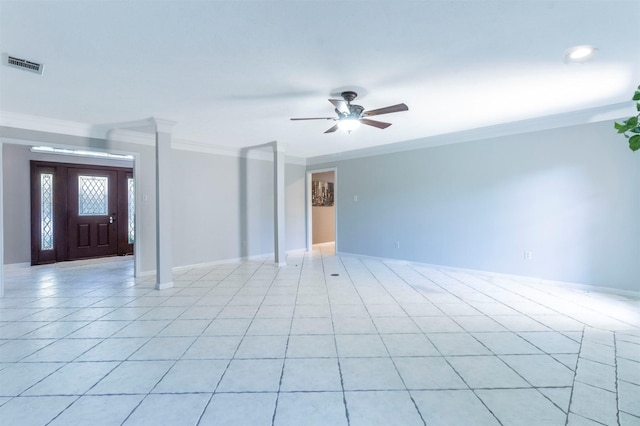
x=218, y=202
x=295, y=175
x=223, y=207
x=569, y=195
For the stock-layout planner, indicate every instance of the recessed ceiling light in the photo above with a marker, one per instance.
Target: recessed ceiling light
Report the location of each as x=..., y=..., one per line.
x=580, y=53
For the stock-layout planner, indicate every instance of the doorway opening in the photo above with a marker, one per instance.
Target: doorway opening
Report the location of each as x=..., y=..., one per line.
x=322, y=209
x=81, y=211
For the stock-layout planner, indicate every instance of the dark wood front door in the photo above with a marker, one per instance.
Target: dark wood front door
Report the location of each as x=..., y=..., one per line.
x=80, y=211
x=92, y=213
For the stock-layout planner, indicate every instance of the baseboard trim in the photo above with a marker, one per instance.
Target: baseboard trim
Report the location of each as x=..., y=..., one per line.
x=16, y=266
x=222, y=261
x=534, y=280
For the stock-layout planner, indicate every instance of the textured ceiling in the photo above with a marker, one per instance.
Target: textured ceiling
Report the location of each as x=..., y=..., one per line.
x=232, y=73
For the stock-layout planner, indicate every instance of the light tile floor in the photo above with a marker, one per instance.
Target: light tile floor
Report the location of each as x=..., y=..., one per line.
x=327, y=340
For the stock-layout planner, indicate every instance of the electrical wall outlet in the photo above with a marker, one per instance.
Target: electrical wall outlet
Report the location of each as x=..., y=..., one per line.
x=527, y=255
x=397, y=244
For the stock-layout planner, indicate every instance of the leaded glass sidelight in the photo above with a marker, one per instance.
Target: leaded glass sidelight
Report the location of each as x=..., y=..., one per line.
x=131, y=208
x=93, y=195
x=46, y=211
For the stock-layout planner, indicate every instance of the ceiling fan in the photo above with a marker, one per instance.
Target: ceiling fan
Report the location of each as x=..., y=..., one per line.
x=350, y=116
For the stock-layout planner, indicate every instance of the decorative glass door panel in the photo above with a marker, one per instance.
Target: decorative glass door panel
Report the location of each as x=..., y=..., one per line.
x=93, y=196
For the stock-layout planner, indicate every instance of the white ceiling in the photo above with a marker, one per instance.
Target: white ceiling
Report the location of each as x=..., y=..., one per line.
x=232, y=73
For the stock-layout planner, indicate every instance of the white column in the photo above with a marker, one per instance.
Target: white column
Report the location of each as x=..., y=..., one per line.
x=164, y=244
x=279, y=204
x=1, y=229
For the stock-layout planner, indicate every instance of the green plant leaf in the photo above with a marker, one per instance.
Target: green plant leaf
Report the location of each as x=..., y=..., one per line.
x=621, y=128
x=630, y=128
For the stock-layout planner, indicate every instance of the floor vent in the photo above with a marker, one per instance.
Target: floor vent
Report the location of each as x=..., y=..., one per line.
x=23, y=64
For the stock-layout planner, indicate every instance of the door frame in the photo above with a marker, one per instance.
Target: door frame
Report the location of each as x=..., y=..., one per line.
x=60, y=171
x=309, y=207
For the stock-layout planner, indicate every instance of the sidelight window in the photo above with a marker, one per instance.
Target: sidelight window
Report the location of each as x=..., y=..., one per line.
x=46, y=211
x=131, y=208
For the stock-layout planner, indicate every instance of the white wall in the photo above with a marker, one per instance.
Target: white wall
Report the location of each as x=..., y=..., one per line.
x=218, y=201
x=571, y=196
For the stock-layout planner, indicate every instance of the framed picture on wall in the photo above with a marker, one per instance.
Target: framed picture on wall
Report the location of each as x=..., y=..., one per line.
x=321, y=194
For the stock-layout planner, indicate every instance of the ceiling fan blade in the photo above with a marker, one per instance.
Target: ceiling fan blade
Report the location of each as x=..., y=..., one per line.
x=386, y=110
x=374, y=123
x=313, y=118
x=333, y=129
x=340, y=105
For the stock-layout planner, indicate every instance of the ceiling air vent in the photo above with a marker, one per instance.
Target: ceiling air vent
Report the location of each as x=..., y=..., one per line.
x=23, y=64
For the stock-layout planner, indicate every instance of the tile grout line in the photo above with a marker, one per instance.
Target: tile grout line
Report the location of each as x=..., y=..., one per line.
x=574, y=381
x=445, y=358
x=499, y=356
x=165, y=373
x=335, y=341
x=395, y=366
x=241, y=340
x=168, y=370
x=286, y=347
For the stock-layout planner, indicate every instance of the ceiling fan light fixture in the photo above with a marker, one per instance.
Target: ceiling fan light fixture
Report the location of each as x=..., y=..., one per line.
x=348, y=124
x=351, y=116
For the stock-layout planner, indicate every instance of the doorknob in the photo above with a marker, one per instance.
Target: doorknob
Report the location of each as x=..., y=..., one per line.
x=111, y=219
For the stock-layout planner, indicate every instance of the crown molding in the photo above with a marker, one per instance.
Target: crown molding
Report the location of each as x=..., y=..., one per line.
x=121, y=134
x=129, y=136
x=574, y=118
x=163, y=125
x=51, y=125
x=263, y=152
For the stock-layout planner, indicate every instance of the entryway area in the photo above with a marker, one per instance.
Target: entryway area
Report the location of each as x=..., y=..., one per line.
x=321, y=207
x=80, y=211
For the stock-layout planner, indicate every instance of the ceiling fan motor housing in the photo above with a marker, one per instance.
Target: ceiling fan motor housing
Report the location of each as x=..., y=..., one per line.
x=349, y=95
